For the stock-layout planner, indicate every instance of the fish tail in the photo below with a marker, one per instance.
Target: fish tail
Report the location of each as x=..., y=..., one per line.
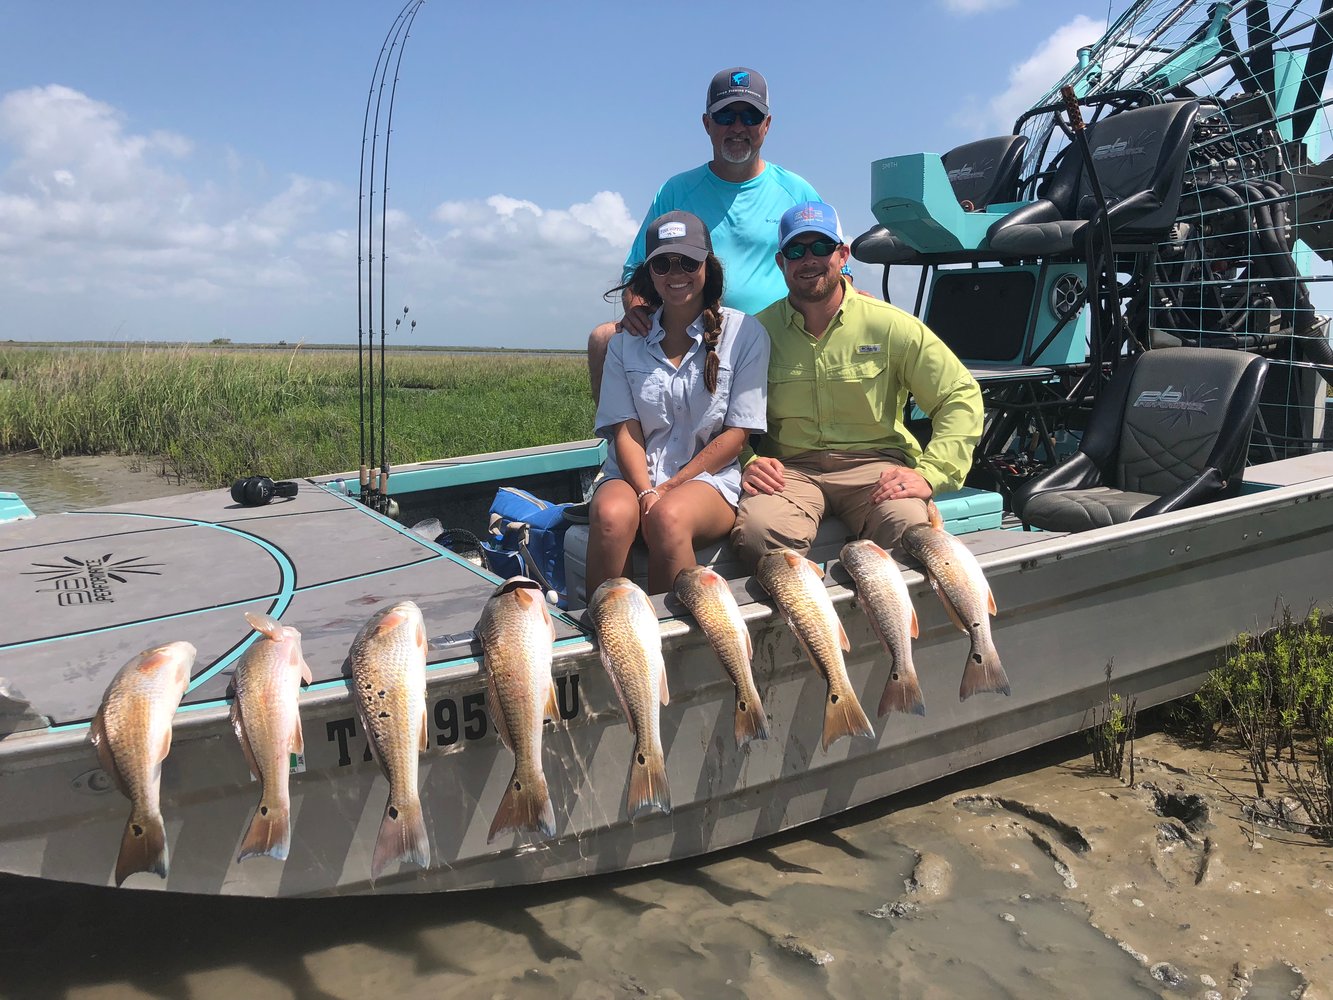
x=648, y=789
x=983, y=673
x=844, y=716
x=751, y=720
x=526, y=805
x=902, y=693
x=143, y=848
x=402, y=838
x=270, y=833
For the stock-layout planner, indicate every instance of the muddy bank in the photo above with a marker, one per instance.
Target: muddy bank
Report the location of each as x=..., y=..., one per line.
x=1030, y=877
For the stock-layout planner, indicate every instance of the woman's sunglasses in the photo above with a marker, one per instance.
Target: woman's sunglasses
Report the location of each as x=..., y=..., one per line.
x=662, y=265
x=750, y=117
x=820, y=248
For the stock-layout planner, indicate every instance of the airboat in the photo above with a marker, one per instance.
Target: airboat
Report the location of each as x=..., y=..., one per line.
x=1134, y=274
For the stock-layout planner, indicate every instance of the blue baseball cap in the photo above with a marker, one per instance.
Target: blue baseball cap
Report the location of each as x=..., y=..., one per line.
x=809, y=217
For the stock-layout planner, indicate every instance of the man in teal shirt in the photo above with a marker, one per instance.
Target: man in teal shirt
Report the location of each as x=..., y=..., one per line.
x=840, y=368
x=739, y=197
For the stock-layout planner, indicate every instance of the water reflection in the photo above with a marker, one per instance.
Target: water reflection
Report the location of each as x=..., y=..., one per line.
x=54, y=486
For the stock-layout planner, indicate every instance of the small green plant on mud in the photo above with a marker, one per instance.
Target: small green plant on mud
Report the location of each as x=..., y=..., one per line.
x=1276, y=690
x=1112, y=730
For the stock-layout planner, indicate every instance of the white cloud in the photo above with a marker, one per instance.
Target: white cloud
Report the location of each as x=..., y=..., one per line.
x=975, y=6
x=1048, y=62
x=100, y=221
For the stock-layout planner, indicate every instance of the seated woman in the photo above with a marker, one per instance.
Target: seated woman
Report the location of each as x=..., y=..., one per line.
x=677, y=406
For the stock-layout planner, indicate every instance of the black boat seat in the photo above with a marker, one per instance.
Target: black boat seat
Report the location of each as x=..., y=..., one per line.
x=1170, y=431
x=983, y=172
x=1140, y=157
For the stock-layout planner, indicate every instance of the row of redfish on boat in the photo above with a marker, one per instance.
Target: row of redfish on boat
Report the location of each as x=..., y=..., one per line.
x=132, y=728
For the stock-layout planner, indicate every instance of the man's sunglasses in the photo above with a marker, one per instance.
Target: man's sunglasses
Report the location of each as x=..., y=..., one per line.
x=820, y=248
x=750, y=117
x=662, y=265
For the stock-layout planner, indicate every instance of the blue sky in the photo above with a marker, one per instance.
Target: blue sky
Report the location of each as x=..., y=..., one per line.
x=189, y=171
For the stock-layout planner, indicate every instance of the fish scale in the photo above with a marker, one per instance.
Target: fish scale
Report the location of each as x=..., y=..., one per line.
x=882, y=594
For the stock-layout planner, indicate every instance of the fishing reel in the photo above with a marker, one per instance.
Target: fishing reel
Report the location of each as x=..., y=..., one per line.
x=255, y=491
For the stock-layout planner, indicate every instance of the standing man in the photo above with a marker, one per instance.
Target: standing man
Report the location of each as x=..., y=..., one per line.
x=840, y=369
x=740, y=198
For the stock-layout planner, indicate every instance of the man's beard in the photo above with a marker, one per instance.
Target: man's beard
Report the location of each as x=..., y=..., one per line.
x=822, y=290
x=745, y=157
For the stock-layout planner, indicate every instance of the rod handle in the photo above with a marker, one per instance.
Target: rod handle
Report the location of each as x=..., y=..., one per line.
x=1072, y=108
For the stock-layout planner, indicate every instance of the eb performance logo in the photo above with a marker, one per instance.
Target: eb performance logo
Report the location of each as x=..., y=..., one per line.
x=89, y=581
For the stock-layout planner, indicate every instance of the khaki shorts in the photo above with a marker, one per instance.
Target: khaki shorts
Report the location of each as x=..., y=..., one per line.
x=819, y=483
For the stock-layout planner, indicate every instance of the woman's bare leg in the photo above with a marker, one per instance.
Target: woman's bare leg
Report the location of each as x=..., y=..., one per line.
x=613, y=524
x=691, y=514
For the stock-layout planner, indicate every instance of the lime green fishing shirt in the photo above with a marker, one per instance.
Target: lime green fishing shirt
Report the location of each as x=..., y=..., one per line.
x=847, y=390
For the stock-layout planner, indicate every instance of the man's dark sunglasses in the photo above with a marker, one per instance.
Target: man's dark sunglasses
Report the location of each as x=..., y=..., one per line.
x=750, y=117
x=662, y=265
x=820, y=248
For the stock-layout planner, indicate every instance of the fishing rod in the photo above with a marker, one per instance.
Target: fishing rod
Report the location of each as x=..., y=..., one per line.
x=363, y=244
x=370, y=495
x=382, y=500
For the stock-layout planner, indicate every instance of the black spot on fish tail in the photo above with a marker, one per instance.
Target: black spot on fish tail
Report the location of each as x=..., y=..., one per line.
x=740, y=706
x=138, y=830
x=518, y=786
x=833, y=698
x=393, y=812
x=642, y=759
x=976, y=657
x=263, y=810
x=383, y=715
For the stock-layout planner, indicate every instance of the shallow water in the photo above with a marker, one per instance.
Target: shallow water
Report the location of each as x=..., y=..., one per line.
x=53, y=486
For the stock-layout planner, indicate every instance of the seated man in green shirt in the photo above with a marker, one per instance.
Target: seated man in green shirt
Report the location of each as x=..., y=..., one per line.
x=839, y=372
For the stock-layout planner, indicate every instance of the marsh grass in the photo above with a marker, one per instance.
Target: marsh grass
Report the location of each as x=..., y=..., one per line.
x=211, y=415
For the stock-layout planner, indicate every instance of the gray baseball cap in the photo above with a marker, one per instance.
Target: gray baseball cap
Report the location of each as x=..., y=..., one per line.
x=677, y=232
x=737, y=84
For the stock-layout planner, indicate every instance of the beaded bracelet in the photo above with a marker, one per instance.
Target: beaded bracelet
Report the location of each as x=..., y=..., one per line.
x=644, y=493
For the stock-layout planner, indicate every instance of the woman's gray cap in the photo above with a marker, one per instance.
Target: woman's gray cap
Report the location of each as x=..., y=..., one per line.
x=678, y=232
x=737, y=84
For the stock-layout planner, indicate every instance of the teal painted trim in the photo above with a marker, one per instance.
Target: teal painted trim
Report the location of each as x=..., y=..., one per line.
x=912, y=198
x=495, y=469
x=12, y=508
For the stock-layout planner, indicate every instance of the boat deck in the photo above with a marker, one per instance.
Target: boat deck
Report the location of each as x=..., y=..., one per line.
x=90, y=589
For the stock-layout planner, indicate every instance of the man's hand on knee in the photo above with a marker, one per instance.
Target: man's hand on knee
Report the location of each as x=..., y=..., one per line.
x=763, y=475
x=898, y=482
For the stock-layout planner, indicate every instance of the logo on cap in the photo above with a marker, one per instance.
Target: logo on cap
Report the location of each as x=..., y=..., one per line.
x=809, y=214
x=741, y=79
x=671, y=230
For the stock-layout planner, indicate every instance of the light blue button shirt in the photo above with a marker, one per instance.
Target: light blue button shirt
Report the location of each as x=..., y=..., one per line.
x=678, y=414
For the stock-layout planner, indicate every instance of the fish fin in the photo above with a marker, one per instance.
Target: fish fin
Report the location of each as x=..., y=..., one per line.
x=902, y=694
x=949, y=609
x=844, y=716
x=264, y=624
x=298, y=737
x=97, y=736
x=493, y=710
x=306, y=675
x=270, y=834
x=424, y=743
x=402, y=837
x=620, y=695
x=525, y=805
x=238, y=727
x=749, y=647
x=143, y=848
x=990, y=602
x=842, y=638
x=933, y=514
x=983, y=674
x=552, y=709
x=662, y=691
x=166, y=746
x=819, y=570
x=648, y=789
x=390, y=622
x=751, y=720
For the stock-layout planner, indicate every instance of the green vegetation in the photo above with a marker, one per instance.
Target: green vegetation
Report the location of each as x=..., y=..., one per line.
x=1111, y=731
x=1276, y=690
x=212, y=414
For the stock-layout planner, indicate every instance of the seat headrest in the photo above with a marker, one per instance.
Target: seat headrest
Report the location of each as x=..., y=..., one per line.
x=985, y=172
